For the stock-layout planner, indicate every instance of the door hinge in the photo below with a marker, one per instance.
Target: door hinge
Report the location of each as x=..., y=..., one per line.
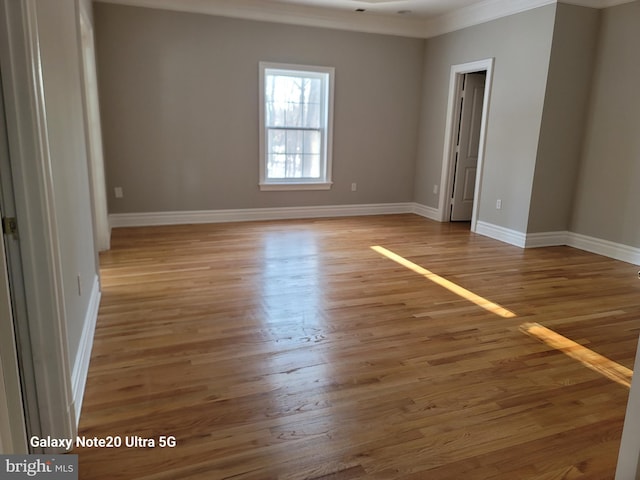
x=10, y=225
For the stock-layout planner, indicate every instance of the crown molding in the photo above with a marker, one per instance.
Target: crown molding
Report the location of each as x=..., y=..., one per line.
x=290, y=14
x=476, y=14
x=583, y=3
x=480, y=13
x=595, y=3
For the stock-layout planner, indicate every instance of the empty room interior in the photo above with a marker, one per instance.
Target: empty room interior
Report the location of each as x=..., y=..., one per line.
x=321, y=239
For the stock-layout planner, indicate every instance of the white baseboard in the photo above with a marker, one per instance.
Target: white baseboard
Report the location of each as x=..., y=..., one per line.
x=503, y=234
x=252, y=214
x=512, y=237
x=598, y=246
x=83, y=357
x=618, y=251
x=427, y=212
x=546, y=239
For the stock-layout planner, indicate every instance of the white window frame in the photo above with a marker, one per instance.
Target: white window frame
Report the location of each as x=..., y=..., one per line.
x=298, y=183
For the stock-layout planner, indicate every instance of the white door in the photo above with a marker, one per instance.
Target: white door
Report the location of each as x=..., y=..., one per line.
x=467, y=147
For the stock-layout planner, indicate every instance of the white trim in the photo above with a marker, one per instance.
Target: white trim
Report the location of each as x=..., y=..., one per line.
x=326, y=75
x=503, y=234
x=546, y=239
x=279, y=187
x=506, y=235
x=304, y=15
x=91, y=117
x=628, y=466
x=446, y=179
x=83, y=357
x=253, y=214
x=596, y=3
x=48, y=327
x=584, y=3
x=613, y=3
x=609, y=249
x=426, y=211
x=385, y=24
x=36, y=213
x=606, y=248
x=481, y=12
x=13, y=435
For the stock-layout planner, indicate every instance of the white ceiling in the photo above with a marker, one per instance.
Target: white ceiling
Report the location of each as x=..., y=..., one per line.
x=427, y=18
x=414, y=8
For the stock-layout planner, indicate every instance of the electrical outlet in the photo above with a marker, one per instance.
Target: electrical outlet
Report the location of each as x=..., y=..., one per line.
x=498, y=204
x=354, y=186
x=435, y=189
x=118, y=192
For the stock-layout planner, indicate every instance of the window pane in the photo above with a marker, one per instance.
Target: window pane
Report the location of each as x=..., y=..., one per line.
x=293, y=153
x=276, y=141
x=294, y=169
x=276, y=166
x=312, y=142
x=294, y=142
x=293, y=101
x=311, y=166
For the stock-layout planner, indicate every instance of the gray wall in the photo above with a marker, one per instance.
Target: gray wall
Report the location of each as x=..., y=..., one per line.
x=607, y=197
x=179, y=97
x=179, y=105
x=57, y=28
x=521, y=46
x=564, y=118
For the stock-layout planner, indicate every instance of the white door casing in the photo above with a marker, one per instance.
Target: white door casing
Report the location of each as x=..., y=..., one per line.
x=466, y=151
x=446, y=181
x=51, y=411
x=101, y=229
x=13, y=436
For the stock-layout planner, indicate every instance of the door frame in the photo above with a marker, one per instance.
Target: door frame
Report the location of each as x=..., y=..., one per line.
x=45, y=370
x=13, y=433
x=95, y=153
x=453, y=112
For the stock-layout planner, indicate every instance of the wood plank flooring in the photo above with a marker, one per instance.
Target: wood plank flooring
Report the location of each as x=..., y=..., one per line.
x=292, y=350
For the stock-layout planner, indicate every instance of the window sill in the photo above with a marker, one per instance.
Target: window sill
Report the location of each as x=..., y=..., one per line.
x=266, y=187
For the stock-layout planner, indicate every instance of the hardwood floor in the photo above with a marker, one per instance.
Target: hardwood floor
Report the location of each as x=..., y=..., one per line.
x=293, y=350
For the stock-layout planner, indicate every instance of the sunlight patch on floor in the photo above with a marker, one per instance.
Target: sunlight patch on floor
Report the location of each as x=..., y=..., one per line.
x=590, y=359
x=443, y=282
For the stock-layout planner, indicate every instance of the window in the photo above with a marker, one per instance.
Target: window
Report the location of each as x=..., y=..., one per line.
x=296, y=113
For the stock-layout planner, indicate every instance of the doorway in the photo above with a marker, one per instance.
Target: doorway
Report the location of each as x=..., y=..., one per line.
x=469, y=96
x=465, y=161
